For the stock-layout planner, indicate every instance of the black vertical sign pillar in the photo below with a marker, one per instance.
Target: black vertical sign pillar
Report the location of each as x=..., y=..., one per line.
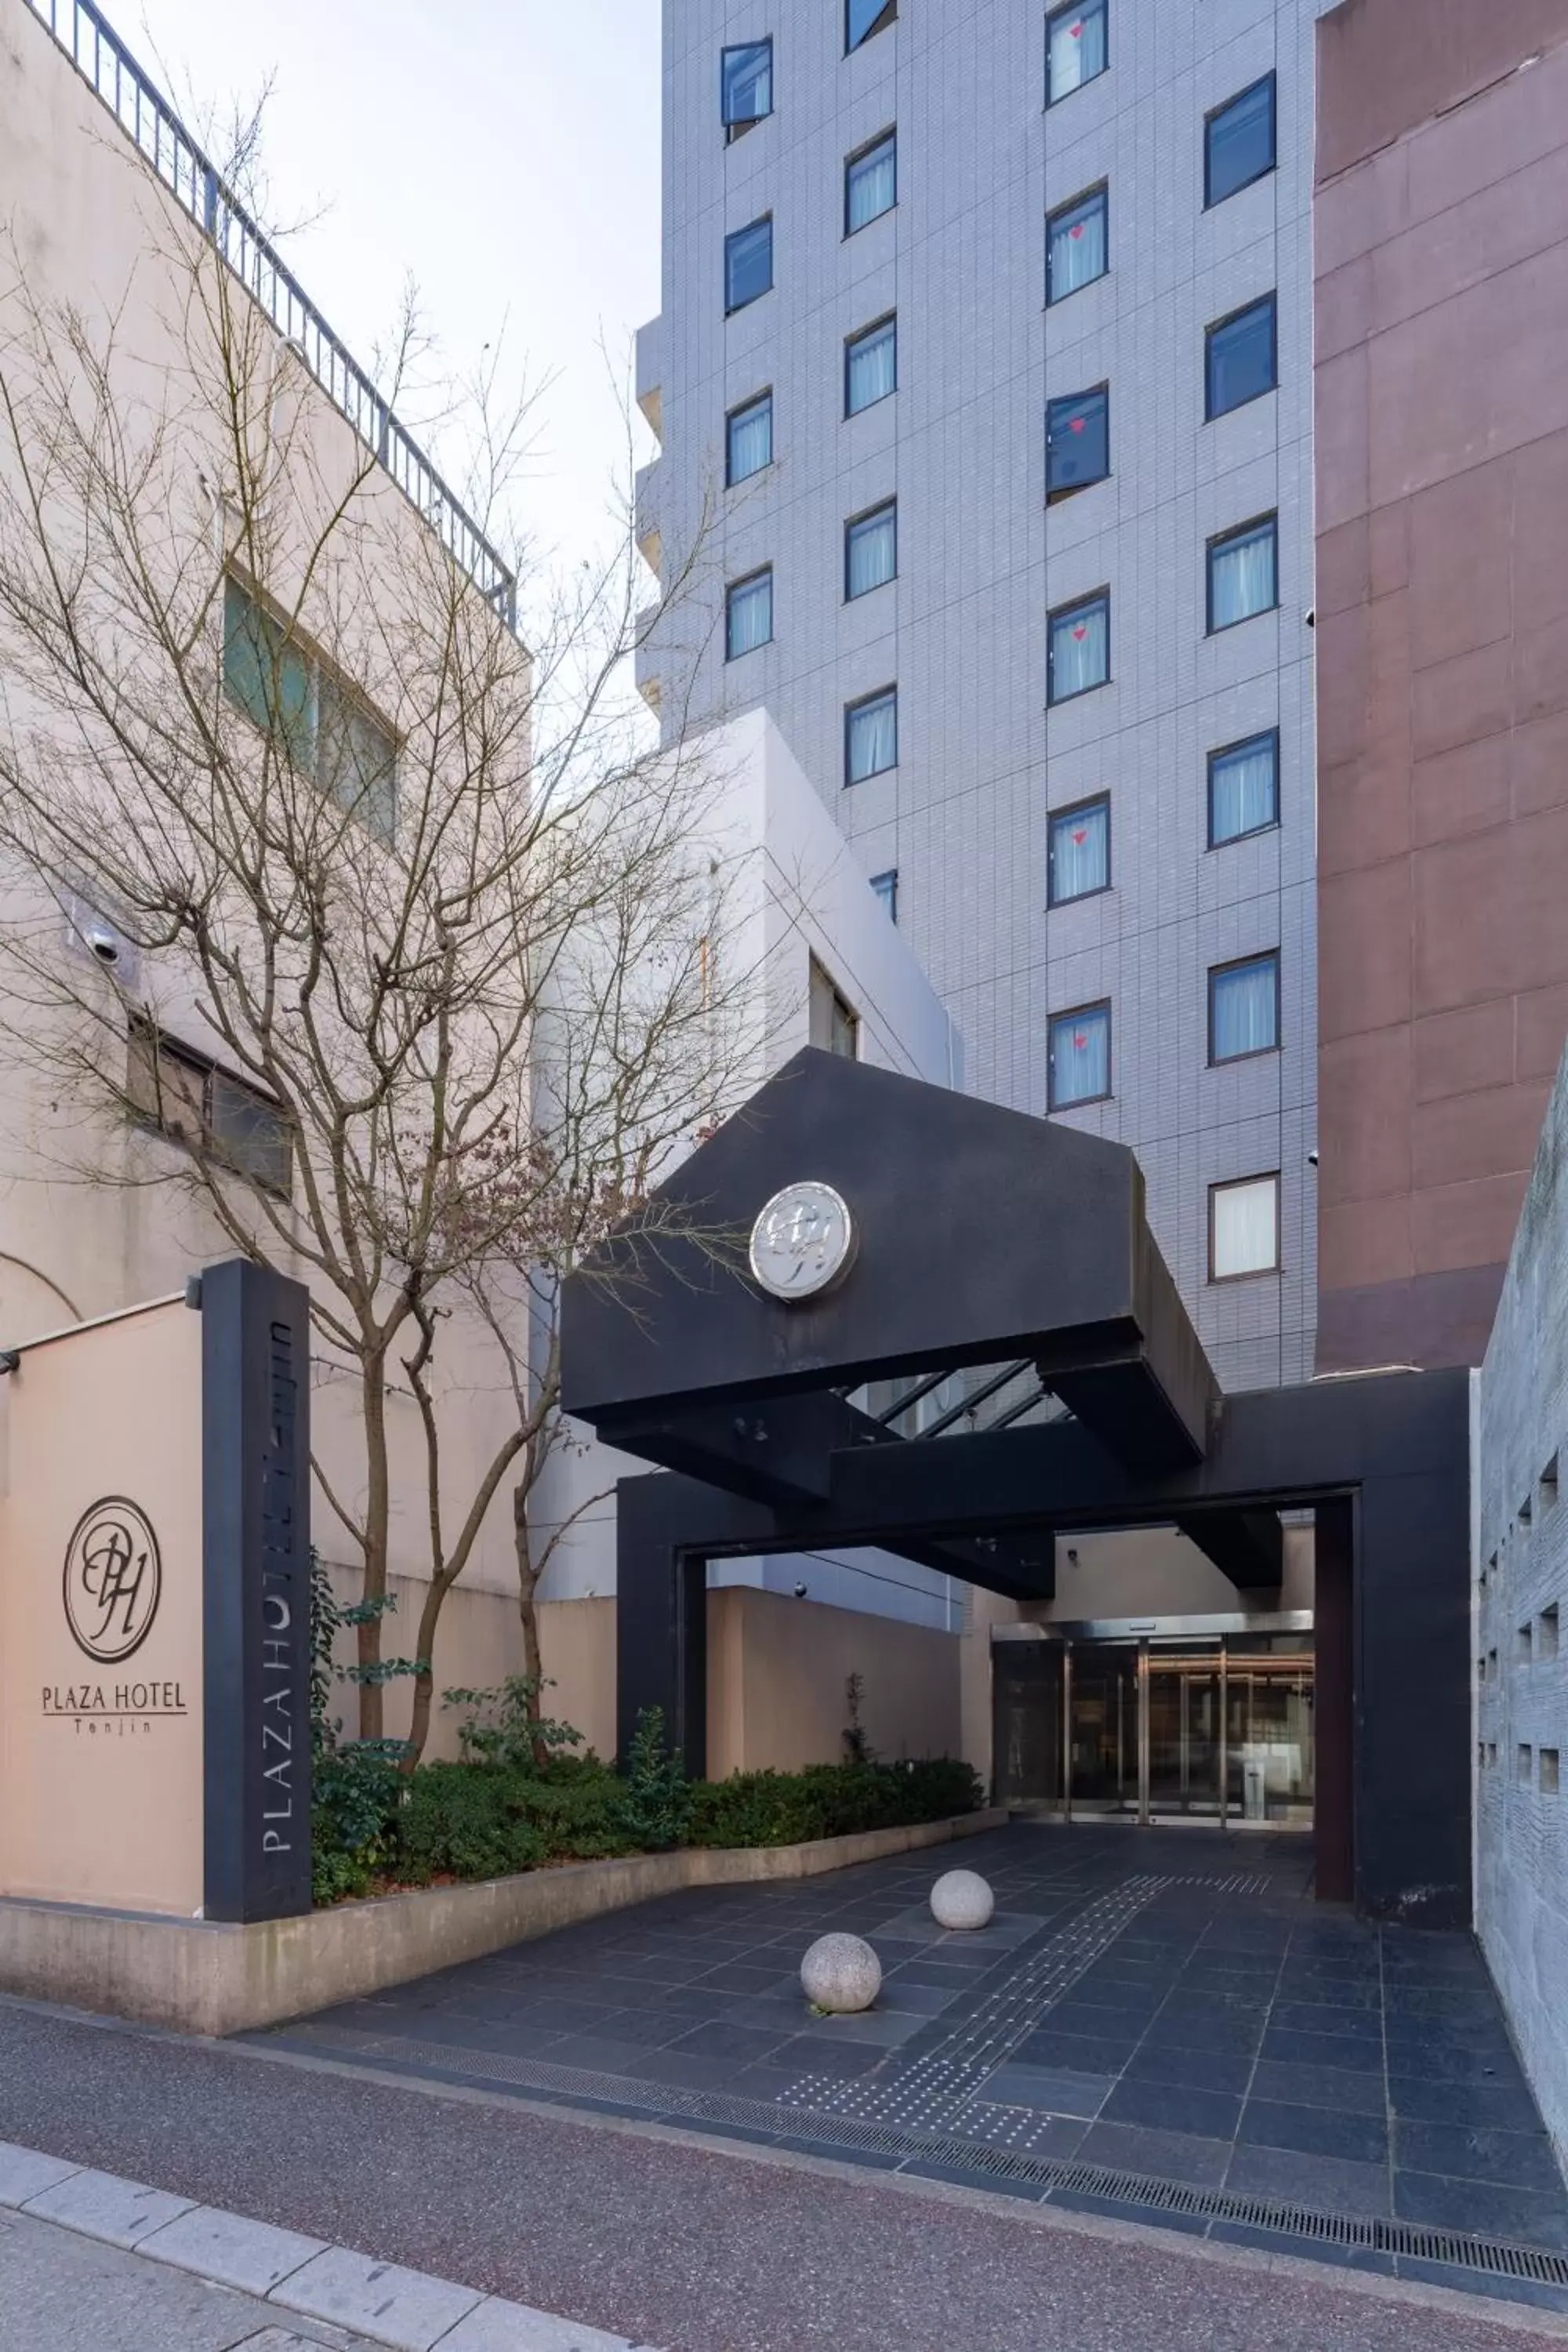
x=661, y=1625
x=256, y=1536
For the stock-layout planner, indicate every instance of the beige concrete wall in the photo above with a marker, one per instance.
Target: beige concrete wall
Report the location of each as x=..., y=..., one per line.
x=1156, y=1572
x=101, y=1760
x=776, y=1674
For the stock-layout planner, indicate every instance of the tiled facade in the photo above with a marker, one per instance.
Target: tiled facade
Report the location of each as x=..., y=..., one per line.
x=982, y=761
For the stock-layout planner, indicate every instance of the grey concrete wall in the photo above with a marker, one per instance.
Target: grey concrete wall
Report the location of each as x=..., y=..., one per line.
x=1521, y=1690
x=981, y=559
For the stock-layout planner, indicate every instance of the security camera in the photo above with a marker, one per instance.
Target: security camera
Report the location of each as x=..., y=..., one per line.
x=800, y=1593
x=104, y=945
x=1313, y=1158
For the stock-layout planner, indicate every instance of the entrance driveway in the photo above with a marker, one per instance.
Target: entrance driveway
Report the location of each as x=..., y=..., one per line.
x=1159, y=2025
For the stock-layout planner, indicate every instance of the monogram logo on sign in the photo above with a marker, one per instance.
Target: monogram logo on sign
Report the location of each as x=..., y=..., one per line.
x=802, y=1242
x=113, y=1576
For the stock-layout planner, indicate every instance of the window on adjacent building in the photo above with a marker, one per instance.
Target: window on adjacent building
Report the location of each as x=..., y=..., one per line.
x=1240, y=358
x=1546, y=1633
x=746, y=84
x=319, y=724
x=1077, y=441
x=1238, y=141
x=188, y=1098
x=748, y=263
x=749, y=439
x=871, y=736
x=1079, y=1059
x=1244, y=1008
x=1077, y=245
x=1523, y=1764
x=835, y=1023
x=749, y=613
x=871, y=549
x=1244, y=788
x=864, y=17
x=1244, y=573
x=1078, y=647
x=1075, y=48
x=1079, y=852
x=886, y=886
x=1244, y=1228
x=871, y=365
x=871, y=182
x=1550, y=1780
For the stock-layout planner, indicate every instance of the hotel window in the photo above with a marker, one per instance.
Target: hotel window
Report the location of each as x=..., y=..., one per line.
x=871, y=736
x=1244, y=1228
x=749, y=439
x=886, y=886
x=1075, y=48
x=1244, y=573
x=1240, y=358
x=870, y=366
x=870, y=550
x=1244, y=1008
x=1079, y=1060
x=1551, y=1777
x=1244, y=788
x=1077, y=441
x=185, y=1095
x=1238, y=141
x=835, y=1025
x=864, y=17
x=747, y=263
x=746, y=84
x=871, y=182
x=319, y=725
x=1078, y=855
x=749, y=614
x=1078, y=647
x=1077, y=245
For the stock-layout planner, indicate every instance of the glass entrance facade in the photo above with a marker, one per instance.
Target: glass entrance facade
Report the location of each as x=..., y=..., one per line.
x=1157, y=1727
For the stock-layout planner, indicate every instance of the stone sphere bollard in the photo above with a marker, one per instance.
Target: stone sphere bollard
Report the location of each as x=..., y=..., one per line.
x=960, y=1898
x=841, y=1973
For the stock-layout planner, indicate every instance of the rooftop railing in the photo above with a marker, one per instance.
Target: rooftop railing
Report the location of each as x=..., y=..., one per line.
x=145, y=116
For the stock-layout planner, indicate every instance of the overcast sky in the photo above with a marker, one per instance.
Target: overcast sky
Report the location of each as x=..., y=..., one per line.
x=503, y=151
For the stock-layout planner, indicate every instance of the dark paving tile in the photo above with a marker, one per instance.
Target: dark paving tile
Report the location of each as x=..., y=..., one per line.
x=1199, y=2031
x=743, y=2044
x=807, y=2054
x=1467, y=2281
x=888, y=2029
x=1173, y=2106
x=690, y=2074
x=1342, y=2051
x=1516, y=2159
x=914, y=2000
x=1326, y=2181
x=1147, y=2217
x=1015, y=2085
x=767, y=2082
x=564, y=2016
x=1303, y=2017
x=1121, y=2000
x=742, y=1975
x=1483, y=2208
x=1453, y=2061
x=1319, y=2086
x=1159, y=2155
x=1502, y=2106
x=875, y=2160
x=1314, y=2131
x=1075, y=2054
x=940, y=1974
x=1306, y=2249
x=1207, y=2070
x=1098, y=2024
x=473, y=2034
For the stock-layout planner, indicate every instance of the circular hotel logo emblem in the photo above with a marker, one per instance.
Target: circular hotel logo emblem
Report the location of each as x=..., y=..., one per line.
x=112, y=1580
x=802, y=1242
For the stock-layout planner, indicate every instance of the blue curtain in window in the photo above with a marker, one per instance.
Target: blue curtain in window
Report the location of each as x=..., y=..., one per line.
x=1081, y=845
x=1244, y=789
x=748, y=83
x=1077, y=47
x=873, y=738
x=1078, y=248
x=873, y=552
x=873, y=367
x=1080, y=1058
x=751, y=615
x=1080, y=650
x=747, y=263
x=751, y=440
x=1241, y=577
x=873, y=186
x=1245, y=1008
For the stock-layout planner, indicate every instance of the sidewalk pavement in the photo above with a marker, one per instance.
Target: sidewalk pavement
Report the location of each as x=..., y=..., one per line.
x=90, y=2263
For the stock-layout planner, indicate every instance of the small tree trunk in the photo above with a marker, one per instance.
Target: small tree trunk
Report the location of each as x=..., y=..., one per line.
x=425, y=1680
x=528, y=1611
x=377, y=1520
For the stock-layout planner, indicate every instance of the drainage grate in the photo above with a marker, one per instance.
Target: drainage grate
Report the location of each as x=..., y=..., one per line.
x=846, y=2134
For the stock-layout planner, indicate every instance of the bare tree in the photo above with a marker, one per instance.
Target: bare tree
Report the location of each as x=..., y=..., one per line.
x=420, y=988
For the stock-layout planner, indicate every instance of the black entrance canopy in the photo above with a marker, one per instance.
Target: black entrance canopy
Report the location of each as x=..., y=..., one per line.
x=1005, y=1357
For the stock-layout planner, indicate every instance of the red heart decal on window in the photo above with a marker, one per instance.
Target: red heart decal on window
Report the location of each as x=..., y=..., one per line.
x=1082, y=630
x=1077, y=426
x=1077, y=230
x=1080, y=836
x=1080, y=1041
x=1076, y=31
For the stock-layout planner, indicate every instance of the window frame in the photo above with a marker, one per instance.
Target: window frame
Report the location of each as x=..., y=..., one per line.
x=887, y=137
x=319, y=673
x=1101, y=391
x=1223, y=752
x=1235, y=1184
x=1056, y=1020
x=853, y=524
x=732, y=480
x=1269, y=80
x=1064, y=613
x=1223, y=539
x=763, y=220
x=851, y=709
x=733, y=588
x=886, y=887
x=820, y=983
x=150, y=1046
x=1219, y=972
x=1056, y=97
x=886, y=15
x=1217, y=326
x=1055, y=817
x=872, y=327
x=1098, y=191
x=738, y=130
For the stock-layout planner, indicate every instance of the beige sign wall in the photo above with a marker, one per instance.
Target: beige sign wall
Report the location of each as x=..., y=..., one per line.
x=101, y=1616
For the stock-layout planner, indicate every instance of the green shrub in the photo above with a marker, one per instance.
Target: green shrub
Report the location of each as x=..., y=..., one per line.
x=656, y=1803
x=828, y=1801
x=465, y=1821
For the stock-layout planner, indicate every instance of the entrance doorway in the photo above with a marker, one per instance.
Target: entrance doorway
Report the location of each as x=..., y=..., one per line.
x=1158, y=1725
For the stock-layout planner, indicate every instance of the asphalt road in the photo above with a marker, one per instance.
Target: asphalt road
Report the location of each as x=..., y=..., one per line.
x=679, y=2245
